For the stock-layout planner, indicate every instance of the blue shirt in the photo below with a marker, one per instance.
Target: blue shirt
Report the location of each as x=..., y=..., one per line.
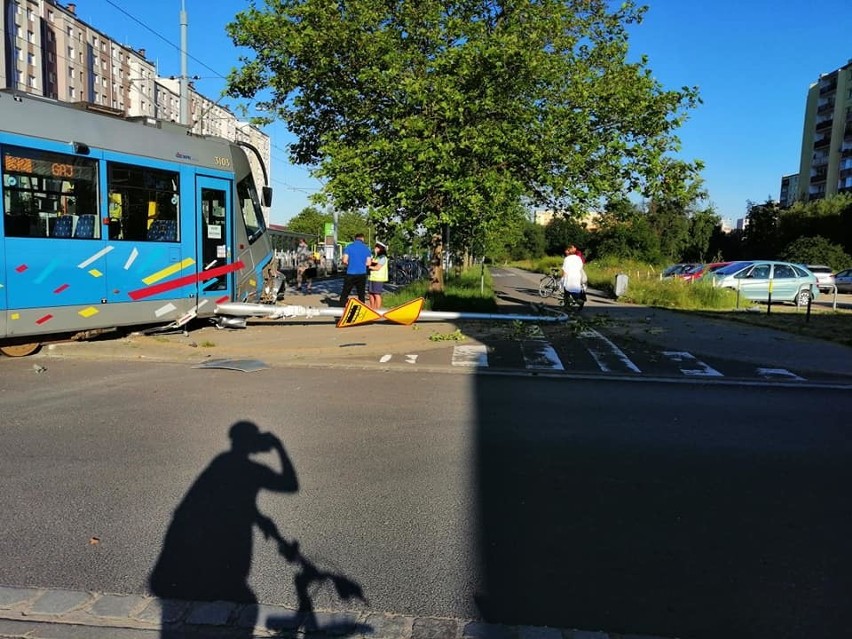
x=358, y=253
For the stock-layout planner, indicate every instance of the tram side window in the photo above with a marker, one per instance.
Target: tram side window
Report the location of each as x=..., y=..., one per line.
x=250, y=206
x=144, y=203
x=48, y=194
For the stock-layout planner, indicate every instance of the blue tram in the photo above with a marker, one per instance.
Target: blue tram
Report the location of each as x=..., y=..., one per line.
x=110, y=221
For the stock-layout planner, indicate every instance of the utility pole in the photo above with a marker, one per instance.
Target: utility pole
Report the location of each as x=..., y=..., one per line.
x=184, y=77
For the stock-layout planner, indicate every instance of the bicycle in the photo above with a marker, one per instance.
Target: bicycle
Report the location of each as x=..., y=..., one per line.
x=551, y=285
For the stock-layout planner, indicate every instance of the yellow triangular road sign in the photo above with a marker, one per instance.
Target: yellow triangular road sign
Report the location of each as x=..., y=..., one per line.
x=405, y=313
x=356, y=312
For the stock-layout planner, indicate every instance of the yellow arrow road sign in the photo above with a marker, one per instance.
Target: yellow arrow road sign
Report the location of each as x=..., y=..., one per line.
x=356, y=312
x=405, y=314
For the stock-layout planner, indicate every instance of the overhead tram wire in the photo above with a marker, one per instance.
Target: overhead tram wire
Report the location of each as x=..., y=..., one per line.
x=164, y=39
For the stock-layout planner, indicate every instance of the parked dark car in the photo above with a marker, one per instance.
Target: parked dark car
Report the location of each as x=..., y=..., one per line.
x=843, y=280
x=678, y=269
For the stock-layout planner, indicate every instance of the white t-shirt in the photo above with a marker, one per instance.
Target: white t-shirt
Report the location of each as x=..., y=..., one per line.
x=572, y=273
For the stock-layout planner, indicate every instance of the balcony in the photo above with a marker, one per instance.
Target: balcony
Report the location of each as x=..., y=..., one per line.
x=824, y=142
x=824, y=124
x=816, y=179
x=825, y=108
x=828, y=88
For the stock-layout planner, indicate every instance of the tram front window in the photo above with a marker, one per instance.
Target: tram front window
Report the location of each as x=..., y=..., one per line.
x=249, y=204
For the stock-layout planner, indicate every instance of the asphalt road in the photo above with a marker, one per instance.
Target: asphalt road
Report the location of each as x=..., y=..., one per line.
x=692, y=510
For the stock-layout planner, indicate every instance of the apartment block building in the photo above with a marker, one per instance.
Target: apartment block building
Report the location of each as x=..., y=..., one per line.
x=825, y=166
x=49, y=51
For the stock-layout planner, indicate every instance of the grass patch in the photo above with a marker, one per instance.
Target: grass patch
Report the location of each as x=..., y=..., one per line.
x=467, y=292
x=676, y=293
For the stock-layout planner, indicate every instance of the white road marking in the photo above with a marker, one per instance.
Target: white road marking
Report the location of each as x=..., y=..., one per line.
x=698, y=368
x=599, y=346
x=472, y=355
x=539, y=355
x=385, y=358
x=773, y=373
x=411, y=358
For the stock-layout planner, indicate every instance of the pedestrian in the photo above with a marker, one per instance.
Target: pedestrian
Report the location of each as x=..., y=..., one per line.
x=356, y=256
x=378, y=275
x=573, y=277
x=303, y=263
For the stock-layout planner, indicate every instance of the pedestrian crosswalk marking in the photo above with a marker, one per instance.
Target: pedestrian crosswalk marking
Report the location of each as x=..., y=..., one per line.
x=599, y=347
x=696, y=368
x=471, y=355
x=539, y=355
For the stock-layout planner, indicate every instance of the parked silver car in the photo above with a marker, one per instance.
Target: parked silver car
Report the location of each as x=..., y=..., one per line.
x=755, y=279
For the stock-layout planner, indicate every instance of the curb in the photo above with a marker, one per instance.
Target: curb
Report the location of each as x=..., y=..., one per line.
x=36, y=613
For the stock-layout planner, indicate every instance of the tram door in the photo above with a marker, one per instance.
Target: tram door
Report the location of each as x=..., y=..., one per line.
x=214, y=198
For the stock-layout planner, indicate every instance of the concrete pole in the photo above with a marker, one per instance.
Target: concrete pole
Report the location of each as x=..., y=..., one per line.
x=184, y=76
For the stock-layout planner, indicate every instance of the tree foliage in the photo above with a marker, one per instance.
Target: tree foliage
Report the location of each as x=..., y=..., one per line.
x=312, y=220
x=450, y=113
x=816, y=250
x=562, y=231
x=309, y=220
x=761, y=236
x=830, y=218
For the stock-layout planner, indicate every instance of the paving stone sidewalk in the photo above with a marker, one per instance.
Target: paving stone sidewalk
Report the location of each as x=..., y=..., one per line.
x=35, y=613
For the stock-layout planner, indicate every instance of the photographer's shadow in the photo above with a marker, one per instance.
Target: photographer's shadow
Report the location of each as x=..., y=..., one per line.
x=207, y=550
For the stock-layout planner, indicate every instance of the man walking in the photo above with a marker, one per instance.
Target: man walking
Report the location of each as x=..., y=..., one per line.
x=356, y=256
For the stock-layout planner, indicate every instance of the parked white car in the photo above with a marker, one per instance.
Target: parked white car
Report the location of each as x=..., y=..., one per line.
x=824, y=275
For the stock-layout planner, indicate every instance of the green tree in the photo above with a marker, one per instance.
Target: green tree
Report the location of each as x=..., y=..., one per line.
x=630, y=240
x=816, y=250
x=830, y=218
x=761, y=236
x=309, y=220
x=702, y=226
x=448, y=113
x=562, y=231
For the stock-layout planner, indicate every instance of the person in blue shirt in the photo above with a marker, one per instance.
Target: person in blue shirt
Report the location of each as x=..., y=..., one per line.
x=356, y=256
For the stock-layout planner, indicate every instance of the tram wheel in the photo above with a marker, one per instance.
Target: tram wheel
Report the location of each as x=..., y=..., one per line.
x=20, y=350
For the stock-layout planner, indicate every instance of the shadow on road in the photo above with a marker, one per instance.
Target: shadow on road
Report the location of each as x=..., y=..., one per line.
x=682, y=513
x=208, y=548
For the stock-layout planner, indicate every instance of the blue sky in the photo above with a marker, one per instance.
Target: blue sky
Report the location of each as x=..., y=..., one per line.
x=752, y=60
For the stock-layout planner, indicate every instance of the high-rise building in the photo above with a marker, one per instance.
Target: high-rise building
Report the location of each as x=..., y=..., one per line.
x=789, y=190
x=825, y=167
x=49, y=51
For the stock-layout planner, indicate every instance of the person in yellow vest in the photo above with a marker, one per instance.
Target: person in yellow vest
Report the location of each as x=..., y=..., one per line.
x=377, y=276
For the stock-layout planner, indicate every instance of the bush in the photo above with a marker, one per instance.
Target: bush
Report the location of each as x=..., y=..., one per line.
x=816, y=250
